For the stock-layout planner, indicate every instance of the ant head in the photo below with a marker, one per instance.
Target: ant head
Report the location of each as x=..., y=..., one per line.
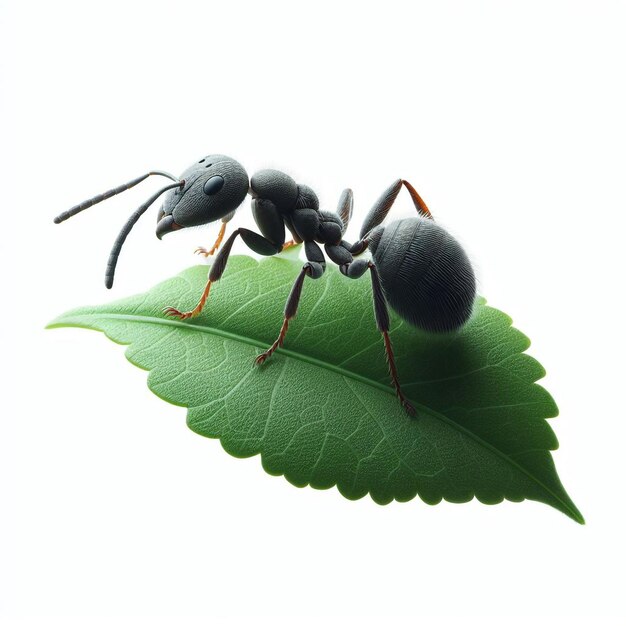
x=213, y=187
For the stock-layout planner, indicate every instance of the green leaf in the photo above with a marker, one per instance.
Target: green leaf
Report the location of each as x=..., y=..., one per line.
x=321, y=411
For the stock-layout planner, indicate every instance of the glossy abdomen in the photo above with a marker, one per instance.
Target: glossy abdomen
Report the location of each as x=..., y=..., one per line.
x=426, y=275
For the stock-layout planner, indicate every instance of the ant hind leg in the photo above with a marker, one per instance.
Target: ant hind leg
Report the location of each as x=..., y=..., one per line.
x=382, y=322
x=356, y=269
x=382, y=206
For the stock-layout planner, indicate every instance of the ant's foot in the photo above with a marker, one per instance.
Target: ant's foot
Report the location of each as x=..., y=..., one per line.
x=262, y=358
x=204, y=252
x=277, y=344
x=267, y=354
x=172, y=312
x=408, y=407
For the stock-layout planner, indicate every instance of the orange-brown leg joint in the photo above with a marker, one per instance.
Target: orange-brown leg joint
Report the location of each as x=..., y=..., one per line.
x=218, y=242
x=289, y=244
x=172, y=312
x=420, y=205
x=277, y=344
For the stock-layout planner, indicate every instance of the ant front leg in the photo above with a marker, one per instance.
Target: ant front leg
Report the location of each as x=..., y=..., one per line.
x=253, y=240
x=270, y=223
x=314, y=268
x=356, y=269
x=220, y=236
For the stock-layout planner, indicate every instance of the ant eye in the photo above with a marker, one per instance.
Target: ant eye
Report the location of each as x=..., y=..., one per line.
x=213, y=185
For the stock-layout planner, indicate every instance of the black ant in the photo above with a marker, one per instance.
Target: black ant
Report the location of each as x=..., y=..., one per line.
x=416, y=266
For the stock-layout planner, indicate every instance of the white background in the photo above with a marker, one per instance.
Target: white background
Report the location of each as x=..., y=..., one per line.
x=509, y=120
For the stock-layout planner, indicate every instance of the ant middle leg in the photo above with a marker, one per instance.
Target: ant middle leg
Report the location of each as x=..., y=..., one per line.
x=314, y=268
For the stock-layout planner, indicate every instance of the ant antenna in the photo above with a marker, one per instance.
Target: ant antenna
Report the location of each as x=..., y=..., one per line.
x=132, y=220
x=108, y=194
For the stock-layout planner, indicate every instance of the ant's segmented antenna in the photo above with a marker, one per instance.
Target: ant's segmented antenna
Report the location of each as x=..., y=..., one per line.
x=121, y=238
x=108, y=194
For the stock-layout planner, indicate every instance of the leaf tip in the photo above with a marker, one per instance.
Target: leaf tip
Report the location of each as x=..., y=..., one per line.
x=57, y=322
x=570, y=509
x=577, y=516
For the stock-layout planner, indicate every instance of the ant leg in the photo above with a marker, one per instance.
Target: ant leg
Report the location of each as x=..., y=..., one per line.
x=254, y=241
x=206, y=253
x=339, y=254
x=271, y=223
x=289, y=244
x=269, y=220
x=338, y=220
x=295, y=238
x=356, y=248
x=383, y=205
x=382, y=322
x=344, y=208
x=356, y=270
x=291, y=308
x=420, y=205
x=314, y=268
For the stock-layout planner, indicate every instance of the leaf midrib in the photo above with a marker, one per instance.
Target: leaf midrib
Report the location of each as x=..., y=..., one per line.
x=330, y=367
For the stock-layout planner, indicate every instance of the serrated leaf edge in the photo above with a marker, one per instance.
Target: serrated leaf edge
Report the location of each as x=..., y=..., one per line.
x=70, y=320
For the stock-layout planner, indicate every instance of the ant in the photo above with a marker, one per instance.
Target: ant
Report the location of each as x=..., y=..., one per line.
x=416, y=266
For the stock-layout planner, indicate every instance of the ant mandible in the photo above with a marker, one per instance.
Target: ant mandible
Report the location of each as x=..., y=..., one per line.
x=416, y=266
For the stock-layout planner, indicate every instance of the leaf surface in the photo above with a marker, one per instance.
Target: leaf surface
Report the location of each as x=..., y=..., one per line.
x=321, y=411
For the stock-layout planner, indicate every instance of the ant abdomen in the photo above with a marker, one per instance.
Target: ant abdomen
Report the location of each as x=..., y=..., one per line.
x=426, y=275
